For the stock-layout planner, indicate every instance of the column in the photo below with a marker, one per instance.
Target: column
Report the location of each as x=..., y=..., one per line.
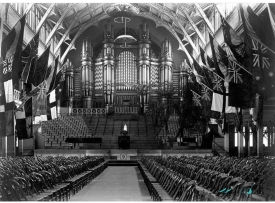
x=166, y=64
x=69, y=84
x=108, y=64
x=260, y=149
x=87, y=80
x=240, y=143
x=144, y=63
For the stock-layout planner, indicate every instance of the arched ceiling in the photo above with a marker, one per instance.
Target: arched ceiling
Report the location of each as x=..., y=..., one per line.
x=81, y=16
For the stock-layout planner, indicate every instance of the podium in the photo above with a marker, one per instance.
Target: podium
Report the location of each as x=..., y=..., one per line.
x=124, y=140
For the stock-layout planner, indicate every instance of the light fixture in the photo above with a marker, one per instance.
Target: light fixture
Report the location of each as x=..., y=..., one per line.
x=122, y=13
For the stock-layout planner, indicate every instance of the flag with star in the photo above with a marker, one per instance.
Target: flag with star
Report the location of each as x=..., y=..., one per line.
x=259, y=56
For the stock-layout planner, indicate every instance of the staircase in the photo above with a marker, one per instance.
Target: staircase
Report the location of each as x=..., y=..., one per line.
x=140, y=129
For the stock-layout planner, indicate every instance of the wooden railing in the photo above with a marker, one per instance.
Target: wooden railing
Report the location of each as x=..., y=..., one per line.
x=126, y=109
x=88, y=111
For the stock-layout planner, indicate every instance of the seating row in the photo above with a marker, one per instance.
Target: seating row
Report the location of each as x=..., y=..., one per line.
x=46, y=178
x=211, y=178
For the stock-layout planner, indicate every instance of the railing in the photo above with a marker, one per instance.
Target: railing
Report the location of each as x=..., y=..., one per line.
x=86, y=111
x=220, y=147
x=126, y=109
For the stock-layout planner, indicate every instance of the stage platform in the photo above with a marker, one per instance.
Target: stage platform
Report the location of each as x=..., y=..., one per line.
x=126, y=154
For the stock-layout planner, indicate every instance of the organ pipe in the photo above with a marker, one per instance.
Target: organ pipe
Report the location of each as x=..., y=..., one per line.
x=87, y=79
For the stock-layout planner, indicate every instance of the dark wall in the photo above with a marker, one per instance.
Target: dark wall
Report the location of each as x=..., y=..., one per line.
x=96, y=36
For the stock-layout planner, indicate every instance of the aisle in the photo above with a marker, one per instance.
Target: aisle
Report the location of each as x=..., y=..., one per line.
x=116, y=183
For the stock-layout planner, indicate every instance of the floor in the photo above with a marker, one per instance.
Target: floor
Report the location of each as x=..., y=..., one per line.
x=116, y=183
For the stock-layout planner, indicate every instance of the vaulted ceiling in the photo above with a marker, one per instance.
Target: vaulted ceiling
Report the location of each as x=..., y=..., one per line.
x=81, y=16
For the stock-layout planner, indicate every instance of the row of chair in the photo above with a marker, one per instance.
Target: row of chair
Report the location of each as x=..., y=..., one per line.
x=211, y=178
x=45, y=178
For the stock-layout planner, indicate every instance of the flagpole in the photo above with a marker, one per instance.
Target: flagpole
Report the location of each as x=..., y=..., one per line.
x=240, y=66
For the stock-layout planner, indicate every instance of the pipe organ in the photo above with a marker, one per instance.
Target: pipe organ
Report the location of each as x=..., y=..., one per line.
x=166, y=66
x=87, y=73
x=108, y=64
x=69, y=83
x=114, y=75
x=183, y=78
x=144, y=62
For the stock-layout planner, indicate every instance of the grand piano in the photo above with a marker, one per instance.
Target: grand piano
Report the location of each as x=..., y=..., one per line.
x=75, y=140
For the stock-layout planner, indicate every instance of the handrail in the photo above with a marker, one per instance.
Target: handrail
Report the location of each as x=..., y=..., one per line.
x=219, y=147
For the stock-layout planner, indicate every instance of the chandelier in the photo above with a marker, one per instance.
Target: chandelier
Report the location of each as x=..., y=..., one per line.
x=122, y=13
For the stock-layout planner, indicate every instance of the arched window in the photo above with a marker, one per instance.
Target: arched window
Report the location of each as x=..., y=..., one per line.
x=126, y=71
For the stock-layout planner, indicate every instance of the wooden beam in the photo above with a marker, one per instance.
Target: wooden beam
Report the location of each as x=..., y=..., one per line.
x=28, y=8
x=45, y=17
x=64, y=37
x=187, y=36
x=193, y=24
x=71, y=44
x=58, y=23
x=210, y=26
x=171, y=29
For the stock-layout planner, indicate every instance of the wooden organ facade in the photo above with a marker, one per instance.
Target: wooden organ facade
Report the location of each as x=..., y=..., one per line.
x=120, y=76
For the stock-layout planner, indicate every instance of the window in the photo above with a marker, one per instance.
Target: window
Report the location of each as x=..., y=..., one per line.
x=126, y=72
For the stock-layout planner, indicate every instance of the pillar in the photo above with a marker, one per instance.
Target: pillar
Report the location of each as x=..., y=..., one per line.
x=108, y=64
x=69, y=84
x=166, y=64
x=183, y=80
x=144, y=62
x=87, y=73
x=240, y=143
x=260, y=149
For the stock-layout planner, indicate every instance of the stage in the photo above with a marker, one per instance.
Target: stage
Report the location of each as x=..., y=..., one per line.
x=124, y=154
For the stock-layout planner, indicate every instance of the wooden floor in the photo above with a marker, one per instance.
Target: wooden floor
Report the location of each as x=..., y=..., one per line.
x=116, y=183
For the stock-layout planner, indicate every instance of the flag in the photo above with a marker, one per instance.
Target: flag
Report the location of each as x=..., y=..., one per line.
x=220, y=104
x=196, y=98
x=11, y=54
x=238, y=96
x=11, y=49
x=51, y=73
x=233, y=40
x=258, y=56
x=219, y=56
x=271, y=12
x=41, y=67
x=24, y=120
x=52, y=103
x=206, y=60
x=29, y=56
x=40, y=101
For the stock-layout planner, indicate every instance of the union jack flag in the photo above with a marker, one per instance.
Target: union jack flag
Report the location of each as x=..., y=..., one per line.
x=7, y=64
x=205, y=93
x=217, y=83
x=260, y=58
x=234, y=72
x=196, y=99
